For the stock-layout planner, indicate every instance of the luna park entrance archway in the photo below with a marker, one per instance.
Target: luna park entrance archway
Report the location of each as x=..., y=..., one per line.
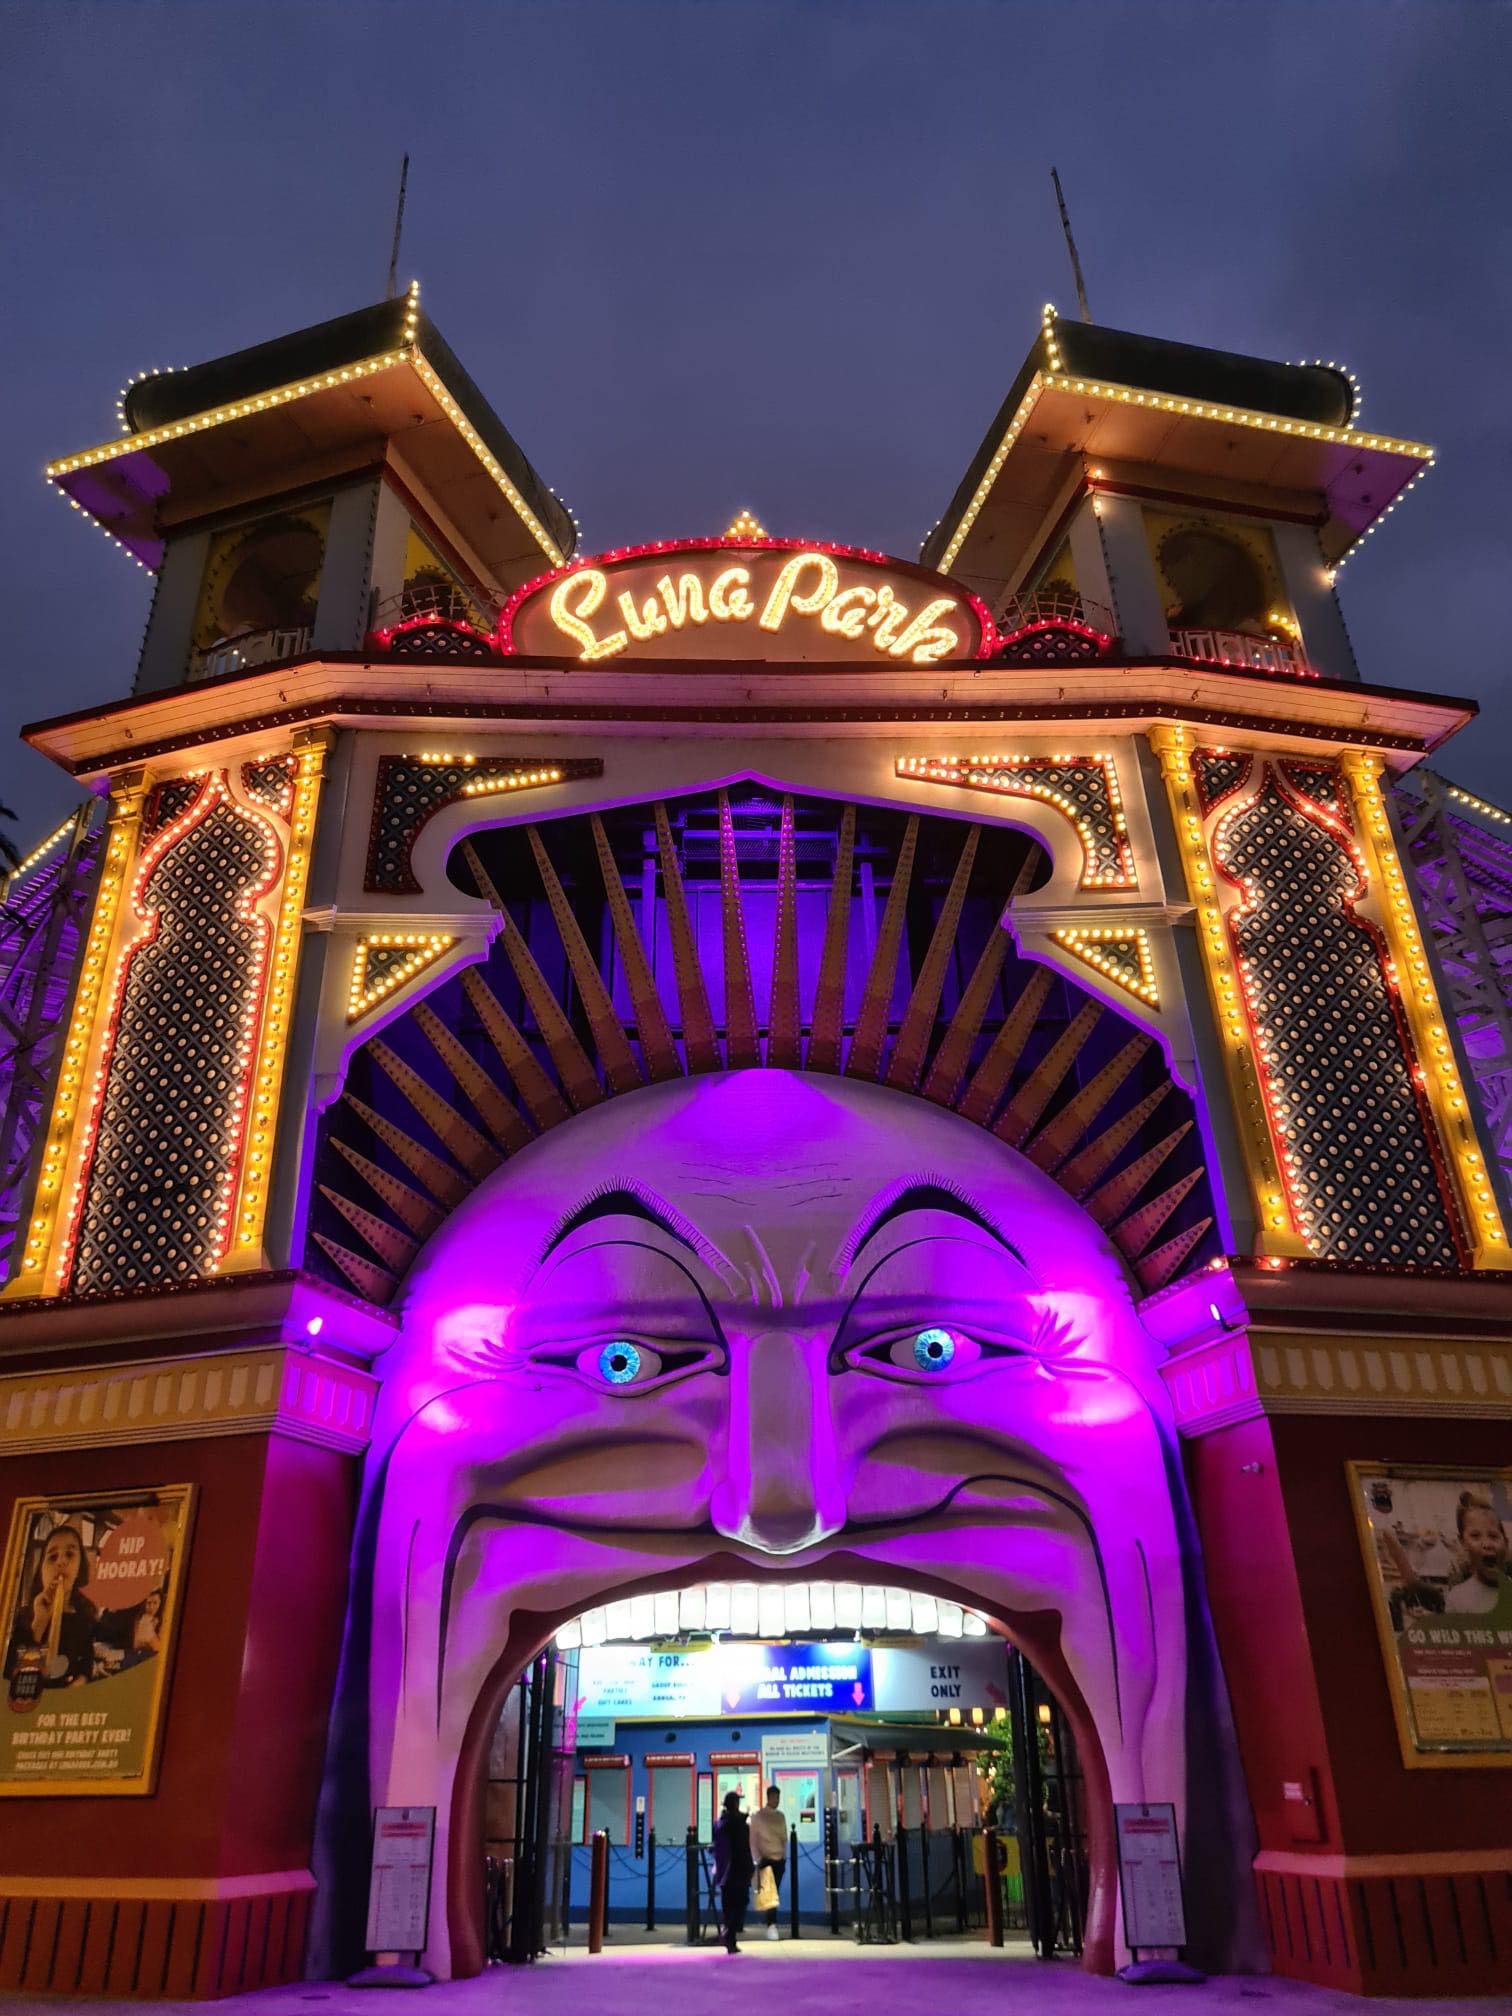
x=914, y=1757
x=761, y=1325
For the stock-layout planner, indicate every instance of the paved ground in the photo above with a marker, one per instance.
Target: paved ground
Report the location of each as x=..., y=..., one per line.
x=811, y=1978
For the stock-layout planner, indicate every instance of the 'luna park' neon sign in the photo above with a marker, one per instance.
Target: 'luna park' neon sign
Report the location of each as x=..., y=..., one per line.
x=719, y=598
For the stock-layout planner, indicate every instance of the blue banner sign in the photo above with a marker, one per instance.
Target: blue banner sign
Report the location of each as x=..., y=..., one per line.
x=735, y=1677
x=795, y=1679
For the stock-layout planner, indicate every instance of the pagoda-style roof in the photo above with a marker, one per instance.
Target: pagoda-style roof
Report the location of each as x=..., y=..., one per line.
x=380, y=383
x=1231, y=423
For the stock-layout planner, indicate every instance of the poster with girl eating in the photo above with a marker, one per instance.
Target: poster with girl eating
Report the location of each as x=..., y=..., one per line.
x=91, y=1591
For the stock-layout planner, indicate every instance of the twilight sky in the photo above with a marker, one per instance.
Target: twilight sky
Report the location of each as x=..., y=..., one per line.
x=737, y=252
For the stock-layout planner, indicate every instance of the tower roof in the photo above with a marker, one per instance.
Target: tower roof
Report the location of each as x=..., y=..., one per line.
x=318, y=402
x=1091, y=394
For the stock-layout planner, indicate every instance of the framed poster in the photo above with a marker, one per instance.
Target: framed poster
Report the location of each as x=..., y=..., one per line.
x=1438, y=1555
x=1149, y=1875
x=91, y=1586
x=404, y=1840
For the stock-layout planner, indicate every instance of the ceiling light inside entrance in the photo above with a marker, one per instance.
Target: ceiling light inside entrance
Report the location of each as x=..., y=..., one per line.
x=771, y=1610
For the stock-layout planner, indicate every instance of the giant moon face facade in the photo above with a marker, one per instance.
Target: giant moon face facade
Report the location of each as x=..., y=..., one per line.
x=760, y=1323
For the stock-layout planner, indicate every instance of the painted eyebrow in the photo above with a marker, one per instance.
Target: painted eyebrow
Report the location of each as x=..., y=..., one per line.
x=926, y=1197
x=619, y=1200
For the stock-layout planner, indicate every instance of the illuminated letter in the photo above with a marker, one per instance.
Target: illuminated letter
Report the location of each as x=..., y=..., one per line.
x=645, y=623
x=784, y=589
x=936, y=643
x=586, y=590
x=918, y=632
x=846, y=615
x=683, y=601
x=728, y=601
x=887, y=619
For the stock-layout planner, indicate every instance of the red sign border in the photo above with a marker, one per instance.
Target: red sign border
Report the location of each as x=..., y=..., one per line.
x=988, y=646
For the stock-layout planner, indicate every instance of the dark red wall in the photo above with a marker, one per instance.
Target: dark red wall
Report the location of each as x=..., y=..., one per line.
x=263, y=1601
x=1385, y=1808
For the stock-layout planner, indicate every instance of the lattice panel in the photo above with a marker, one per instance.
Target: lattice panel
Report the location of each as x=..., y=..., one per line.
x=1084, y=788
x=169, y=801
x=1123, y=957
x=168, y=1126
x=413, y=789
x=1358, y=1144
x=270, y=784
x=1218, y=773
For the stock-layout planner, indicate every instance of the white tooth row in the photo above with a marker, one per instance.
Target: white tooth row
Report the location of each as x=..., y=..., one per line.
x=771, y=1610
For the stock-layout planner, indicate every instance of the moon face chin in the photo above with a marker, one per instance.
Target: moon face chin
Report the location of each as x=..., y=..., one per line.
x=757, y=1323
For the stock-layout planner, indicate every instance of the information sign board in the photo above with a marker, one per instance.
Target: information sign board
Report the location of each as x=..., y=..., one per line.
x=1149, y=1872
x=807, y=1748
x=399, y=1886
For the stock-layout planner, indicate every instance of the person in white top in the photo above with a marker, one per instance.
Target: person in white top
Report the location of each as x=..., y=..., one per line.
x=769, y=1846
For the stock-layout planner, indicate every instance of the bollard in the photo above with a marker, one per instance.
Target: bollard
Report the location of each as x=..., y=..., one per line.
x=651, y=1881
x=598, y=1891
x=795, y=1857
x=832, y=1865
x=691, y=1852
x=992, y=1871
x=905, y=1895
x=924, y=1868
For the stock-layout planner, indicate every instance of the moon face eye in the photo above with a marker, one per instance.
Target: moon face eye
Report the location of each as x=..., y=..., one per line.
x=620, y=1363
x=933, y=1350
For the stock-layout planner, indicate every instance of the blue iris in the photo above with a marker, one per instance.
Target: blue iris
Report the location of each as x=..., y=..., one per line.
x=619, y=1363
x=933, y=1350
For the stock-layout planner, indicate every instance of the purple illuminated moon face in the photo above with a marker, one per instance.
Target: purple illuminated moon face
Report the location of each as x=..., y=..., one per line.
x=754, y=1320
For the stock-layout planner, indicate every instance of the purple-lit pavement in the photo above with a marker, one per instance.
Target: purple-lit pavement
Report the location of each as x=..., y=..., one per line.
x=813, y=1978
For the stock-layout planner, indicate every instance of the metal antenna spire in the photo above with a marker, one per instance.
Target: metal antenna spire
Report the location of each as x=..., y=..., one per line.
x=393, y=272
x=1065, y=217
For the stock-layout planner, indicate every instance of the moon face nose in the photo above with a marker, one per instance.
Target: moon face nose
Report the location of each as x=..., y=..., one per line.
x=781, y=1489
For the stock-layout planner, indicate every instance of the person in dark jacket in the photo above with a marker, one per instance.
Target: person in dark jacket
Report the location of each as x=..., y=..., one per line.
x=733, y=1868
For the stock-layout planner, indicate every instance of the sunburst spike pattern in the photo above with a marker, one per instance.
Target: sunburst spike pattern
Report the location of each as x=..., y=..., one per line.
x=541, y=1099
x=742, y=1047
x=447, y=1185
x=620, y=1067
x=414, y=1211
x=1134, y=1233
x=500, y=1118
x=1163, y=1263
x=829, y=1002
x=951, y=1059
x=784, y=1042
x=598, y=980
x=366, y=1276
x=923, y=1003
x=1034, y=1095
x=1053, y=1142
x=1007, y=1046
x=1078, y=1175
x=567, y=1054
x=1118, y=1193
x=700, y=1044
x=393, y=1247
x=657, y=1047
x=876, y=1000
x=458, y=1136
x=943, y=1084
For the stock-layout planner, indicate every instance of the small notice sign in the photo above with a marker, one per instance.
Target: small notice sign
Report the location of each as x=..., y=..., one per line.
x=1149, y=1871
x=399, y=1887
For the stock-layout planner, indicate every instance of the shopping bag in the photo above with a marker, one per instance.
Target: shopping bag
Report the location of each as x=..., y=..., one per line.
x=766, y=1889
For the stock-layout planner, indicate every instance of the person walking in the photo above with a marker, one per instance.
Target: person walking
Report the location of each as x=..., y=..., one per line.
x=733, y=1868
x=769, y=1847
